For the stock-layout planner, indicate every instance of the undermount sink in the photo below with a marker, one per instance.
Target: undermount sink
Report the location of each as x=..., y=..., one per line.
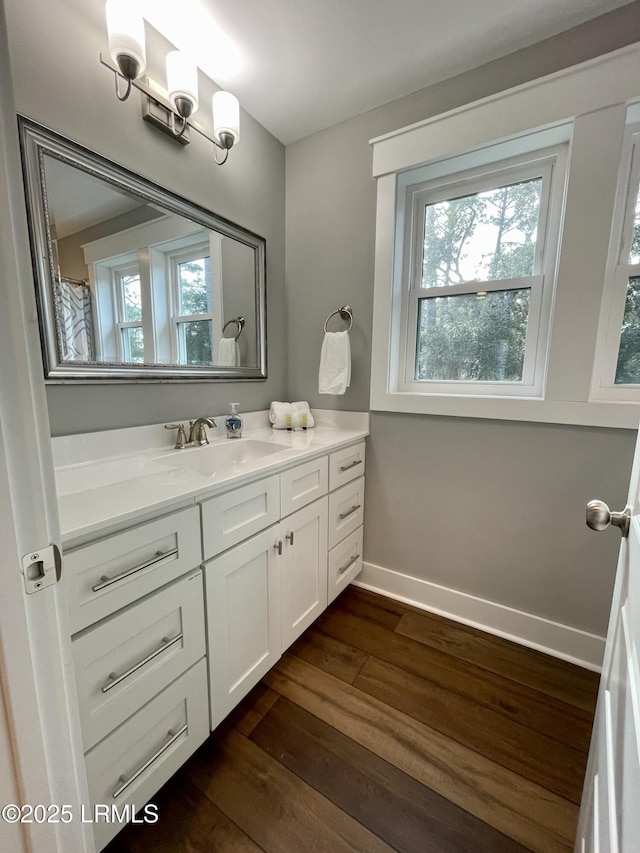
x=235, y=453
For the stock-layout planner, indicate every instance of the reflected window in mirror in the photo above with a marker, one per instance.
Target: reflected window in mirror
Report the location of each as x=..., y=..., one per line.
x=134, y=282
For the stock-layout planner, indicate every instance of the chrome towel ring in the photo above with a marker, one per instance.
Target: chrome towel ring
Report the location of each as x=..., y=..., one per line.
x=239, y=322
x=345, y=313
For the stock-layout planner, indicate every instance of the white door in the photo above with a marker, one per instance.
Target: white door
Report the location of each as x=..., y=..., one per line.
x=610, y=812
x=40, y=750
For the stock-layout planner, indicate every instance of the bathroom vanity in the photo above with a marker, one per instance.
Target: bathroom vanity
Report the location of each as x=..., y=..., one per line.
x=188, y=573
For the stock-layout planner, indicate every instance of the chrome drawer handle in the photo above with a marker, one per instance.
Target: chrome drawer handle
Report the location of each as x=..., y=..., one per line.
x=349, y=512
x=159, y=557
x=173, y=737
x=116, y=679
x=351, y=465
x=349, y=564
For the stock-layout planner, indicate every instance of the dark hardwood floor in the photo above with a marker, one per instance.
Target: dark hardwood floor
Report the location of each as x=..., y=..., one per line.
x=387, y=728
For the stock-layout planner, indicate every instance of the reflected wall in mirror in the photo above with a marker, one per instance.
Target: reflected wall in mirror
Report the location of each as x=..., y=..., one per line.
x=134, y=282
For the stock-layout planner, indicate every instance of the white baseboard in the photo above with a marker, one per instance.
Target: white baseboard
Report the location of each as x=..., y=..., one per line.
x=553, y=638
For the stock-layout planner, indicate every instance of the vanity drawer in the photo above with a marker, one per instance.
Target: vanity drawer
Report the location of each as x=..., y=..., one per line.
x=111, y=573
x=346, y=510
x=124, y=661
x=346, y=465
x=302, y=485
x=345, y=562
x=135, y=760
x=229, y=518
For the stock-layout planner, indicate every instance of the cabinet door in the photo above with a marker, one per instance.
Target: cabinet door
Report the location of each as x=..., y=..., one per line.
x=243, y=616
x=304, y=569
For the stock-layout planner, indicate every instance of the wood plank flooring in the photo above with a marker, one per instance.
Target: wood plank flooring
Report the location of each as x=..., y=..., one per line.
x=387, y=728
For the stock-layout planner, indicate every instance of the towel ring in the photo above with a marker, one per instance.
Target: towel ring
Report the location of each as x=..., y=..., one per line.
x=239, y=322
x=345, y=313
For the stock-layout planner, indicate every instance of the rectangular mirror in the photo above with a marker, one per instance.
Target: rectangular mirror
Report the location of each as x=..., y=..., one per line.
x=134, y=282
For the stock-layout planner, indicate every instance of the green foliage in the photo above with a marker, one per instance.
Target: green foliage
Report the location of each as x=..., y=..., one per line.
x=195, y=286
x=197, y=342
x=628, y=367
x=473, y=339
x=484, y=237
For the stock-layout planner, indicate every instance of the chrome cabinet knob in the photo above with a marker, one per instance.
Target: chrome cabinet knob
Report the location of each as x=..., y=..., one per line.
x=599, y=517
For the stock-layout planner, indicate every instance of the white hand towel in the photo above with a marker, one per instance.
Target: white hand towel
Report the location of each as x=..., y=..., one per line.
x=334, y=376
x=290, y=415
x=228, y=353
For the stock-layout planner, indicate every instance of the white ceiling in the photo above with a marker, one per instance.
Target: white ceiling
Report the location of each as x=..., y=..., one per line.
x=299, y=66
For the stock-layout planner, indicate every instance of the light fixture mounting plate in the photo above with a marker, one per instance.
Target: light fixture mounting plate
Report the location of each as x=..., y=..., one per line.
x=161, y=117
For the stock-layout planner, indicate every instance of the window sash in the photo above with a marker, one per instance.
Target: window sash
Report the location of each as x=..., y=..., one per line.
x=525, y=386
x=173, y=260
x=419, y=197
x=604, y=385
x=540, y=164
x=180, y=341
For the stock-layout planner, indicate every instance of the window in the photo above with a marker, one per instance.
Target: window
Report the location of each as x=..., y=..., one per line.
x=128, y=299
x=193, y=315
x=157, y=301
x=619, y=358
x=579, y=301
x=478, y=272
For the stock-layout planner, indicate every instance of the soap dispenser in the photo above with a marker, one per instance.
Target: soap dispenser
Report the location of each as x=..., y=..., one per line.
x=233, y=423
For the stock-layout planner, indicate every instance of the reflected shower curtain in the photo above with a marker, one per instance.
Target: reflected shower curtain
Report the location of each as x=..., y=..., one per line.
x=75, y=320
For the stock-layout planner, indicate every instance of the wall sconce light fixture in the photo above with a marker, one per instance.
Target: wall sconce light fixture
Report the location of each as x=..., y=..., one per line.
x=170, y=111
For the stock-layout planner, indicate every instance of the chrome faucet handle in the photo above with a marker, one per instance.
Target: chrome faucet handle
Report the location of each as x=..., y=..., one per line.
x=181, y=438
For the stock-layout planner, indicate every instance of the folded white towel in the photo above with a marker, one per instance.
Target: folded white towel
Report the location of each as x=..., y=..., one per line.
x=228, y=353
x=290, y=415
x=334, y=376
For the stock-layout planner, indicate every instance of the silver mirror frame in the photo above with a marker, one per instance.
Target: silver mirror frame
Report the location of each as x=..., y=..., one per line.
x=37, y=141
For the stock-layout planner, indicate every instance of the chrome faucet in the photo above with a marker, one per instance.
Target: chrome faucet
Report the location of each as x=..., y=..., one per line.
x=197, y=433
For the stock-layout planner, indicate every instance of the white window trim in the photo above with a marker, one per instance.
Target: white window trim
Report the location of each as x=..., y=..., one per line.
x=590, y=100
x=550, y=165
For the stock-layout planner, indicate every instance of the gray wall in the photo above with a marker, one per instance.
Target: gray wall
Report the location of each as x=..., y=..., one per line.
x=54, y=50
x=487, y=507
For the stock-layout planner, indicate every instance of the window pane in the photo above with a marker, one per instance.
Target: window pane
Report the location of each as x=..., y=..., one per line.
x=131, y=297
x=628, y=368
x=132, y=345
x=470, y=338
x=195, y=342
x=634, y=255
x=482, y=237
x=194, y=286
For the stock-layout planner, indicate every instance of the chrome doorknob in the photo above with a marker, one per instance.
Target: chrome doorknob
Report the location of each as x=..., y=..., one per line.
x=599, y=517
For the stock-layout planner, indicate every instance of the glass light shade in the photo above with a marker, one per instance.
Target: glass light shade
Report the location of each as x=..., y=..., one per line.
x=226, y=116
x=125, y=27
x=182, y=80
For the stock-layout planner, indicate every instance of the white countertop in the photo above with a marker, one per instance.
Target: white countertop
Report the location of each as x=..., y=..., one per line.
x=106, y=479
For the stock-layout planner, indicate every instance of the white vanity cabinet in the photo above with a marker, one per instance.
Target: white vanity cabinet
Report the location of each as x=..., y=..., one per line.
x=137, y=614
x=262, y=593
x=175, y=619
